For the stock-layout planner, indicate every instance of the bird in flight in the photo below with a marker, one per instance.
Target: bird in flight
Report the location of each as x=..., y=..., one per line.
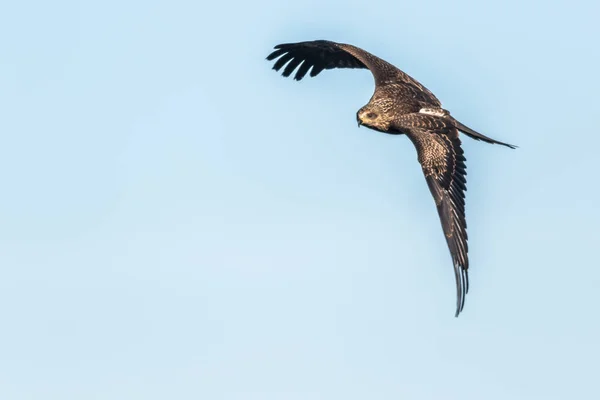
x=402, y=106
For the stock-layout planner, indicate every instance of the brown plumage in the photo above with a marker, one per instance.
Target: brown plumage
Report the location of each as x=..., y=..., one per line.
x=401, y=105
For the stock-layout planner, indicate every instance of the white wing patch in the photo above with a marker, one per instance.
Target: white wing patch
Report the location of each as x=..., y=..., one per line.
x=438, y=112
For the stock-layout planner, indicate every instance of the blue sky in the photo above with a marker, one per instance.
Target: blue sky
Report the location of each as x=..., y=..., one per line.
x=178, y=221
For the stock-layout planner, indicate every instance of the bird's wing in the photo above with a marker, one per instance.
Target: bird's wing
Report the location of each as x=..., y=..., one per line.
x=443, y=163
x=323, y=54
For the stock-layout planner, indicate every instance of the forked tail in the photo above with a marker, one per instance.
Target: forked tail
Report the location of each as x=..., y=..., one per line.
x=478, y=136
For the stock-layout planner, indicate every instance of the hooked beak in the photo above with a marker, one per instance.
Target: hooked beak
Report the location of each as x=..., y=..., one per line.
x=359, y=121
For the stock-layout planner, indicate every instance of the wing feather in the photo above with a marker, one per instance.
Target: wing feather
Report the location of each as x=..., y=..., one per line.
x=318, y=55
x=443, y=162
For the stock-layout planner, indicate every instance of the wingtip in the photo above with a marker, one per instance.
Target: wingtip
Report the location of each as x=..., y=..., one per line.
x=281, y=46
x=459, y=307
x=462, y=288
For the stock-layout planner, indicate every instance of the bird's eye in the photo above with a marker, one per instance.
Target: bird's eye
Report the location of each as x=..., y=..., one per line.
x=371, y=115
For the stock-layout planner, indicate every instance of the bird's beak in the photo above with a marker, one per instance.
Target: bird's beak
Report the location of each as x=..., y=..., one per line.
x=359, y=121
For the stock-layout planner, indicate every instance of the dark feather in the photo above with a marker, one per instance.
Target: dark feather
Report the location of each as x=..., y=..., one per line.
x=320, y=54
x=478, y=136
x=323, y=54
x=302, y=70
x=443, y=162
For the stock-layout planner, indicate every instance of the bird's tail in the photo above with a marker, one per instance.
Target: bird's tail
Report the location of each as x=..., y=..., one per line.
x=478, y=136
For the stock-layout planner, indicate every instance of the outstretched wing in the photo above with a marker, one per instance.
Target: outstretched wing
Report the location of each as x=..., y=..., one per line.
x=323, y=54
x=443, y=163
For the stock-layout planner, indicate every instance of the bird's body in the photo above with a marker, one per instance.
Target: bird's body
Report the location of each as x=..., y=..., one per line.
x=401, y=105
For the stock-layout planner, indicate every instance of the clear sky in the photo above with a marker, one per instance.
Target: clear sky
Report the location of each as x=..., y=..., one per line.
x=177, y=221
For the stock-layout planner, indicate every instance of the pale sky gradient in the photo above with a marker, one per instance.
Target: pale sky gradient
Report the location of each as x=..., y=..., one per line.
x=177, y=221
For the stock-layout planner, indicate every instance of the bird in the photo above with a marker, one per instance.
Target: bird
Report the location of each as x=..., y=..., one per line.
x=400, y=105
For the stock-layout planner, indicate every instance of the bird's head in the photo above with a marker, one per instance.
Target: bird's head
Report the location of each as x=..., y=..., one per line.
x=373, y=117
